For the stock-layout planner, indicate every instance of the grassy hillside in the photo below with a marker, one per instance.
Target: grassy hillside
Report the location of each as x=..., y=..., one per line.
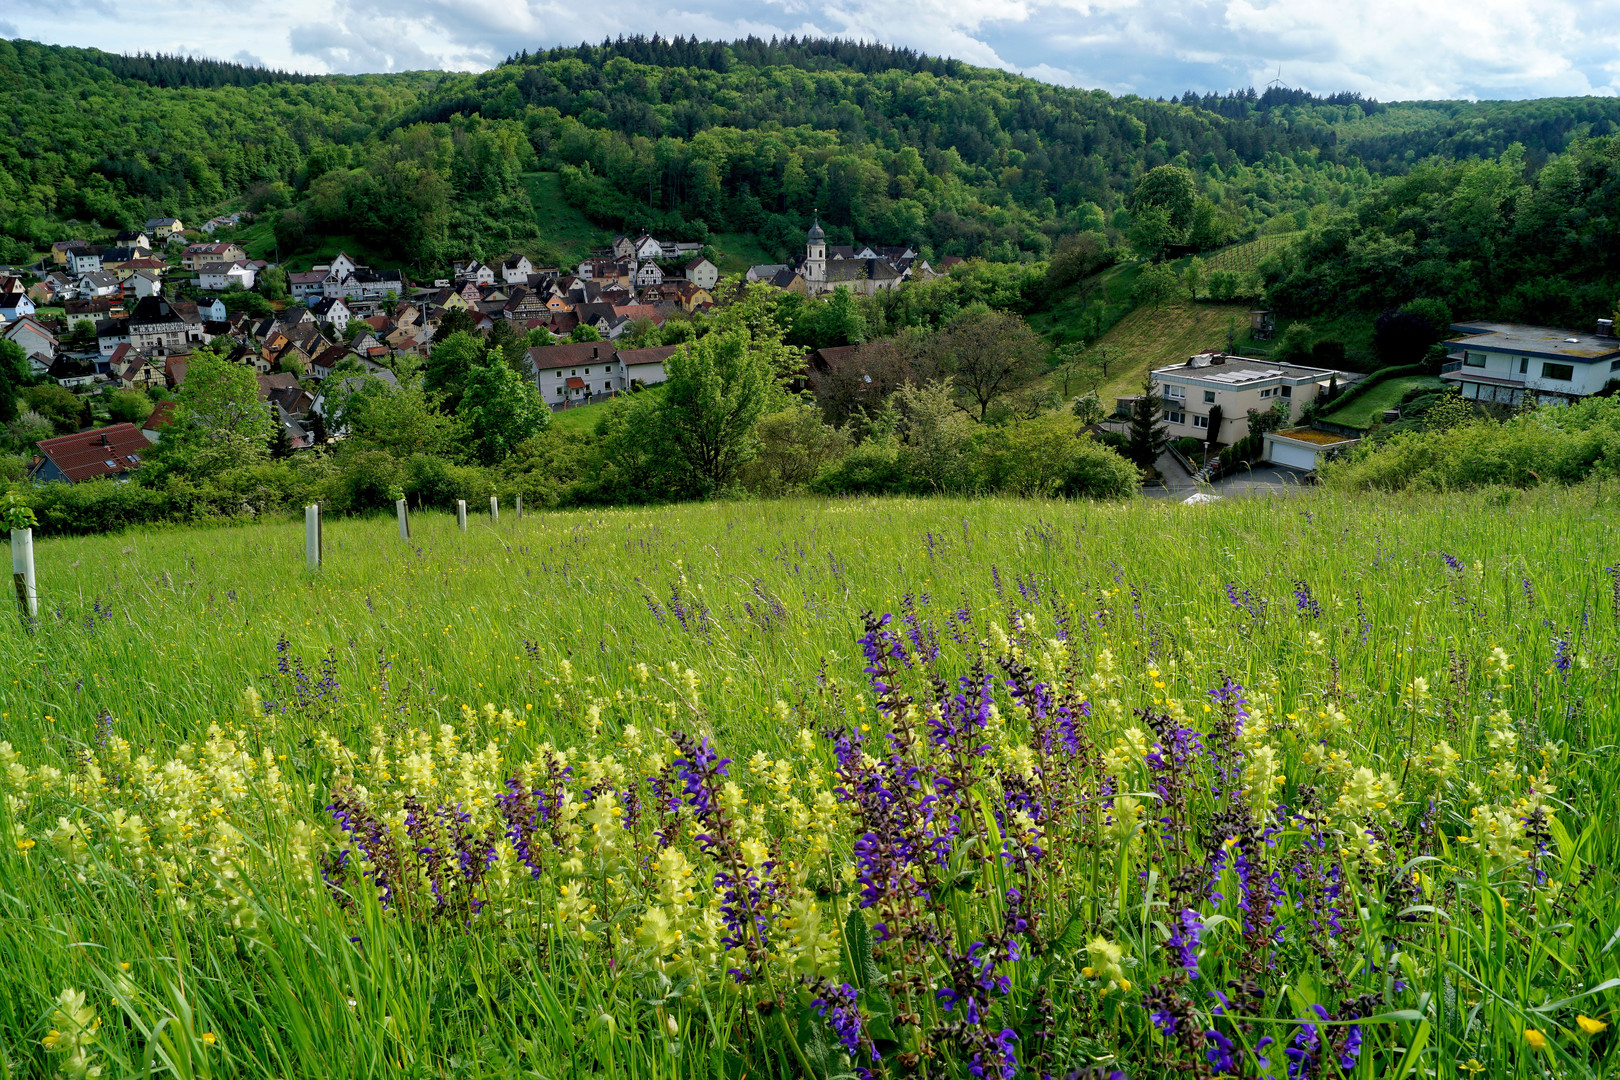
x=1245, y=258
x=458, y=805
x=564, y=231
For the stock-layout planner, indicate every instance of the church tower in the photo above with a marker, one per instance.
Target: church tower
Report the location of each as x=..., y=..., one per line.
x=815, y=254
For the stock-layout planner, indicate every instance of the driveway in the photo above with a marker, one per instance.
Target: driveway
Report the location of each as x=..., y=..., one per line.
x=1262, y=479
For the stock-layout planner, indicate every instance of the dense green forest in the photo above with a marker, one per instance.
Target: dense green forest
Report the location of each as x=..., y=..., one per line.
x=1488, y=238
x=695, y=138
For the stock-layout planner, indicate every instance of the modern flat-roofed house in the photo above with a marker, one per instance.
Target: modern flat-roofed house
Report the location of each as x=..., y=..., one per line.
x=1500, y=362
x=1236, y=384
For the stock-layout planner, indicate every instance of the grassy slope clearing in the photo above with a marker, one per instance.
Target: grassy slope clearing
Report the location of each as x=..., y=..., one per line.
x=566, y=231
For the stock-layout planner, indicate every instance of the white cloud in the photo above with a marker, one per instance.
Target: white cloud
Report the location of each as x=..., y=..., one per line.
x=1386, y=48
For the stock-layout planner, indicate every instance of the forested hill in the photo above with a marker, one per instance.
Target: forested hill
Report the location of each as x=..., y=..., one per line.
x=694, y=138
x=890, y=145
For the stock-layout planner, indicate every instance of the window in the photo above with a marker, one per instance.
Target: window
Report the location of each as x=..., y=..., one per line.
x=1288, y=391
x=1557, y=372
x=1614, y=365
x=1176, y=417
x=1209, y=397
x=1201, y=422
x=1474, y=359
x=1524, y=365
x=1175, y=391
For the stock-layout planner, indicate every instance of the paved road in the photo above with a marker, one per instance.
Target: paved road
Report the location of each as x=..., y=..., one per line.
x=1260, y=480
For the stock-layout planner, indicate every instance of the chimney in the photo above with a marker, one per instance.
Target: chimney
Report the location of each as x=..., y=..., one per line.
x=1605, y=328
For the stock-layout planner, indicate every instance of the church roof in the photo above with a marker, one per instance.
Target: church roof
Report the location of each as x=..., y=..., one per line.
x=815, y=230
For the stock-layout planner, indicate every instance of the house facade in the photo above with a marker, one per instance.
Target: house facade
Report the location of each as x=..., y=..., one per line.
x=702, y=273
x=1235, y=384
x=85, y=260
x=15, y=306
x=576, y=371
x=161, y=228
x=197, y=255
x=515, y=270
x=1505, y=362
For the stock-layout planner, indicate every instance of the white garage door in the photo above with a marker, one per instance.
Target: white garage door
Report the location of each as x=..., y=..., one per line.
x=1298, y=457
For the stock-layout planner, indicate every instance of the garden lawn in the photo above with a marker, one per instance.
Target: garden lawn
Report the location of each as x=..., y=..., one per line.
x=1368, y=409
x=797, y=788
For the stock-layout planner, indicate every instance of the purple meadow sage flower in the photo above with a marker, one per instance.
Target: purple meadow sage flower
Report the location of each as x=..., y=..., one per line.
x=700, y=770
x=1185, y=939
x=1218, y=1051
x=838, y=1005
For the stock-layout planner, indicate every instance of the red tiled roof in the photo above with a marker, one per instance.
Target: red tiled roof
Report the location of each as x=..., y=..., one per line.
x=570, y=354
x=108, y=451
x=162, y=416
x=576, y=384
x=631, y=357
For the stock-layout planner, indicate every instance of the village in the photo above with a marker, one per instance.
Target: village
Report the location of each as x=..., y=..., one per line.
x=127, y=314
x=96, y=318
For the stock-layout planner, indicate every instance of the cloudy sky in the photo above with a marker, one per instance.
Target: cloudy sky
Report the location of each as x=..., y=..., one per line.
x=1390, y=49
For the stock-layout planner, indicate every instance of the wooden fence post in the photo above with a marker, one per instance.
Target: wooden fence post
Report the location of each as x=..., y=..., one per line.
x=22, y=575
x=312, y=535
x=404, y=515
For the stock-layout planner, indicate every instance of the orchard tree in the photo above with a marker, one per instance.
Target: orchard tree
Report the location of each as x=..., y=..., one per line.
x=1193, y=278
x=449, y=364
x=987, y=354
x=219, y=420
x=499, y=409
x=716, y=389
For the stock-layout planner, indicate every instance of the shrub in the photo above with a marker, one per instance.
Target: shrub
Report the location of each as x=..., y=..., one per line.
x=1550, y=445
x=872, y=468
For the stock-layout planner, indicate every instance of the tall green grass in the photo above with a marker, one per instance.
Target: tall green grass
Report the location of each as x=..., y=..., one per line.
x=153, y=637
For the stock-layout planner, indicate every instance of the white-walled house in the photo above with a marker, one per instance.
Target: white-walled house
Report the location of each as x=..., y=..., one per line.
x=576, y=371
x=649, y=273
x=515, y=269
x=32, y=337
x=217, y=277
x=333, y=311
x=1235, y=384
x=645, y=366
x=14, y=307
x=702, y=273
x=645, y=247
x=81, y=261
x=1501, y=362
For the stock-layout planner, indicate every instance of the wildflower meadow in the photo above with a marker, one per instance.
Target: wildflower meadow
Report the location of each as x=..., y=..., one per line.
x=1322, y=786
